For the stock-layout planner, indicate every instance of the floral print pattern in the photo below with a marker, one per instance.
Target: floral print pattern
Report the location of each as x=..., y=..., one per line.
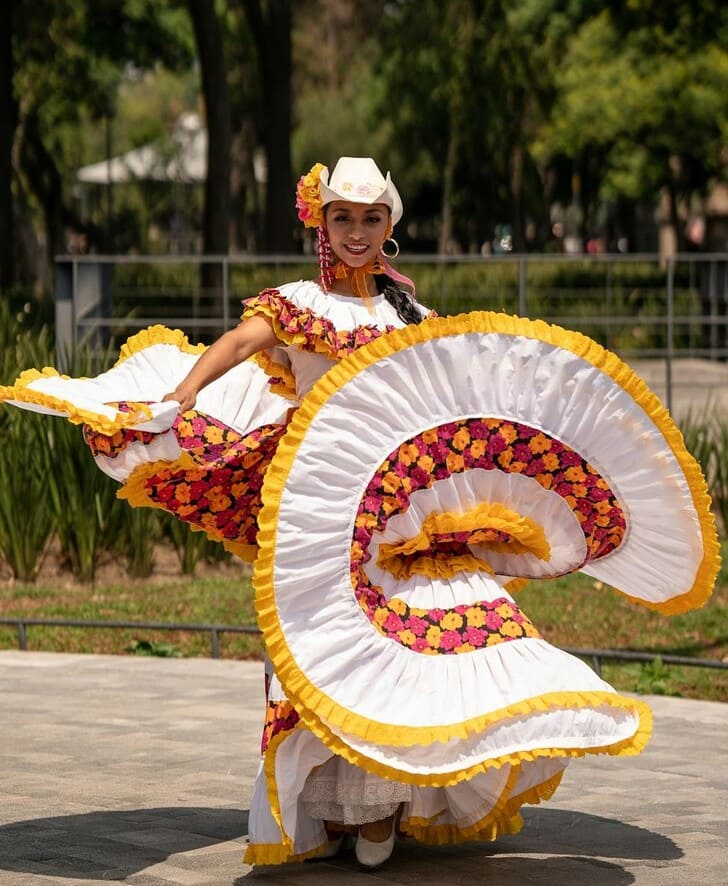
x=280, y=716
x=221, y=491
x=438, y=453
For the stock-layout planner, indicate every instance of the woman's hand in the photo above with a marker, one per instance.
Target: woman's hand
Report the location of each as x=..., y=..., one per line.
x=185, y=396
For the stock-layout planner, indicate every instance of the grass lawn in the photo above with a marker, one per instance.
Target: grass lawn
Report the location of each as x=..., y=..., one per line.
x=573, y=612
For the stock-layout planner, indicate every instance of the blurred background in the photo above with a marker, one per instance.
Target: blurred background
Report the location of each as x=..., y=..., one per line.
x=181, y=126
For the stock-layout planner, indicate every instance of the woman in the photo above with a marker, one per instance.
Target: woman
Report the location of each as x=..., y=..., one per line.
x=416, y=471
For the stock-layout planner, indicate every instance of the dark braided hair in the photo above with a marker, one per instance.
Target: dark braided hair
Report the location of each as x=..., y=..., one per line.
x=401, y=300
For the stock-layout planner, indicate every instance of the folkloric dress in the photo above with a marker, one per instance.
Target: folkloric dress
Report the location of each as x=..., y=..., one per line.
x=398, y=484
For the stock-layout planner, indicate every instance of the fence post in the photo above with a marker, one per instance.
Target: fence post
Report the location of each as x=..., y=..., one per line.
x=214, y=643
x=22, y=639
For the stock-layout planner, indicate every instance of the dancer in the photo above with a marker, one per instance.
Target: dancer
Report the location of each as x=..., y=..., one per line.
x=396, y=483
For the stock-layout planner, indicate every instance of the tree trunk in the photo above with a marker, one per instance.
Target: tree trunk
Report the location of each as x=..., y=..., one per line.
x=444, y=241
x=216, y=212
x=270, y=25
x=8, y=124
x=518, y=219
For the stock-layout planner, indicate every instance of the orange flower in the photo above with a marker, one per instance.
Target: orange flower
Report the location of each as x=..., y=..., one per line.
x=398, y=606
x=579, y=490
x=461, y=439
x=464, y=647
x=407, y=637
x=381, y=615
x=213, y=434
x=529, y=630
x=426, y=462
x=454, y=462
x=451, y=621
x=433, y=636
x=477, y=448
x=475, y=617
x=408, y=453
x=518, y=467
x=505, y=610
x=539, y=443
x=575, y=474
x=182, y=493
x=505, y=458
x=430, y=436
x=551, y=461
x=511, y=629
x=545, y=480
x=508, y=432
x=603, y=507
x=391, y=482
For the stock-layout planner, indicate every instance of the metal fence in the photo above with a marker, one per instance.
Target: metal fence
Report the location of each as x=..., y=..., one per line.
x=594, y=656
x=664, y=313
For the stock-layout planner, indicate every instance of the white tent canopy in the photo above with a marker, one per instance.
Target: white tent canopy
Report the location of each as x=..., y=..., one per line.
x=182, y=159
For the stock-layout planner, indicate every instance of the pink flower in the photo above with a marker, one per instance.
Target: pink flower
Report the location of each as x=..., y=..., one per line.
x=393, y=623
x=417, y=625
x=450, y=639
x=493, y=621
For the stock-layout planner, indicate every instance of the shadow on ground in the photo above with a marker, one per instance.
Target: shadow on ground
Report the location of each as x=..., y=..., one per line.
x=113, y=845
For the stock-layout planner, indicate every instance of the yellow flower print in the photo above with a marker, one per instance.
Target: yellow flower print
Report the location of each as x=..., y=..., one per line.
x=511, y=629
x=461, y=439
x=517, y=467
x=574, y=474
x=545, y=480
x=602, y=483
x=430, y=436
x=570, y=501
x=493, y=640
x=505, y=458
x=433, y=636
x=186, y=510
x=475, y=617
x=184, y=429
x=508, y=432
x=398, y=606
x=603, y=507
x=426, y=462
x=539, y=443
x=452, y=621
x=477, y=448
x=407, y=637
x=381, y=614
x=213, y=434
x=505, y=610
x=465, y=647
x=428, y=651
x=238, y=490
x=367, y=521
x=454, y=462
x=551, y=461
x=492, y=423
x=603, y=521
x=579, y=490
x=529, y=630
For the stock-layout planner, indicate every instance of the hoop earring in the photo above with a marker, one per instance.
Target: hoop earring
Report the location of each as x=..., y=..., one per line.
x=396, y=248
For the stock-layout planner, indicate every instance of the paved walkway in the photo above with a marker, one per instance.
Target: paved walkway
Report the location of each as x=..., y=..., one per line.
x=138, y=770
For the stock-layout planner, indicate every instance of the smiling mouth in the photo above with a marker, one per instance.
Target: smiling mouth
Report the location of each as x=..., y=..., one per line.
x=357, y=248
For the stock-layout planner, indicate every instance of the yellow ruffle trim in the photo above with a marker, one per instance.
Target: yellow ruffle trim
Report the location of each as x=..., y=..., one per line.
x=22, y=393
x=157, y=335
x=527, y=536
x=286, y=387
x=277, y=853
x=154, y=335
x=134, y=491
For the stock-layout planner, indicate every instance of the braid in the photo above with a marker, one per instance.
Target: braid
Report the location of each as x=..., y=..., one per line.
x=400, y=299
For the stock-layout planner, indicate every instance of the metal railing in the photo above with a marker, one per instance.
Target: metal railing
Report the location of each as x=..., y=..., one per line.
x=642, y=306
x=215, y=630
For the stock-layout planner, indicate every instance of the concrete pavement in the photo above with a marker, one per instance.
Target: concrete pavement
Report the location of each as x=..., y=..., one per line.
x=139, y=770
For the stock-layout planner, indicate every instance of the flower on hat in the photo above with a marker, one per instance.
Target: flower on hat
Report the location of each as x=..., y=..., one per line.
x=308, y=197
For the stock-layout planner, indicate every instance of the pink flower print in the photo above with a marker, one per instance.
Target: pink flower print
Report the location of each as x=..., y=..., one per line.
x=199, y=424
x=420, y=478
x=417, y=625
x=478, y=430
x=420, y=645
x=393, y=623
x=496, y=444
x=570, y=458
x=373, y=503
x=400, y=469
x=450, y=639
x=438, y=451
x=475, y=636
x=493, y=621
x=436, y=615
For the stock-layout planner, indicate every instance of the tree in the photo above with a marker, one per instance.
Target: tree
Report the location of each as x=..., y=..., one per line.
x=270, y=23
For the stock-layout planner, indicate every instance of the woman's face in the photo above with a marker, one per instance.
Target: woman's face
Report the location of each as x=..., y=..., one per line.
x=356, y=230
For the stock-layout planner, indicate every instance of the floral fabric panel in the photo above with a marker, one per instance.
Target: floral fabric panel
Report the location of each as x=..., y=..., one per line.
x=220, y=491
x=456, y=447
x=280, y=717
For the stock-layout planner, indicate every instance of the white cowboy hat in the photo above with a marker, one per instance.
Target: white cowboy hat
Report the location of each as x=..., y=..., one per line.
x=358, y=180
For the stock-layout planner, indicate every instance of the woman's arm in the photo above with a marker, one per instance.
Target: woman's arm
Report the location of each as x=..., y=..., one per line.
x=252, y=335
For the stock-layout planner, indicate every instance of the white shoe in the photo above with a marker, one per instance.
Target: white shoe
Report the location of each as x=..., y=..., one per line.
x=372, y=855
